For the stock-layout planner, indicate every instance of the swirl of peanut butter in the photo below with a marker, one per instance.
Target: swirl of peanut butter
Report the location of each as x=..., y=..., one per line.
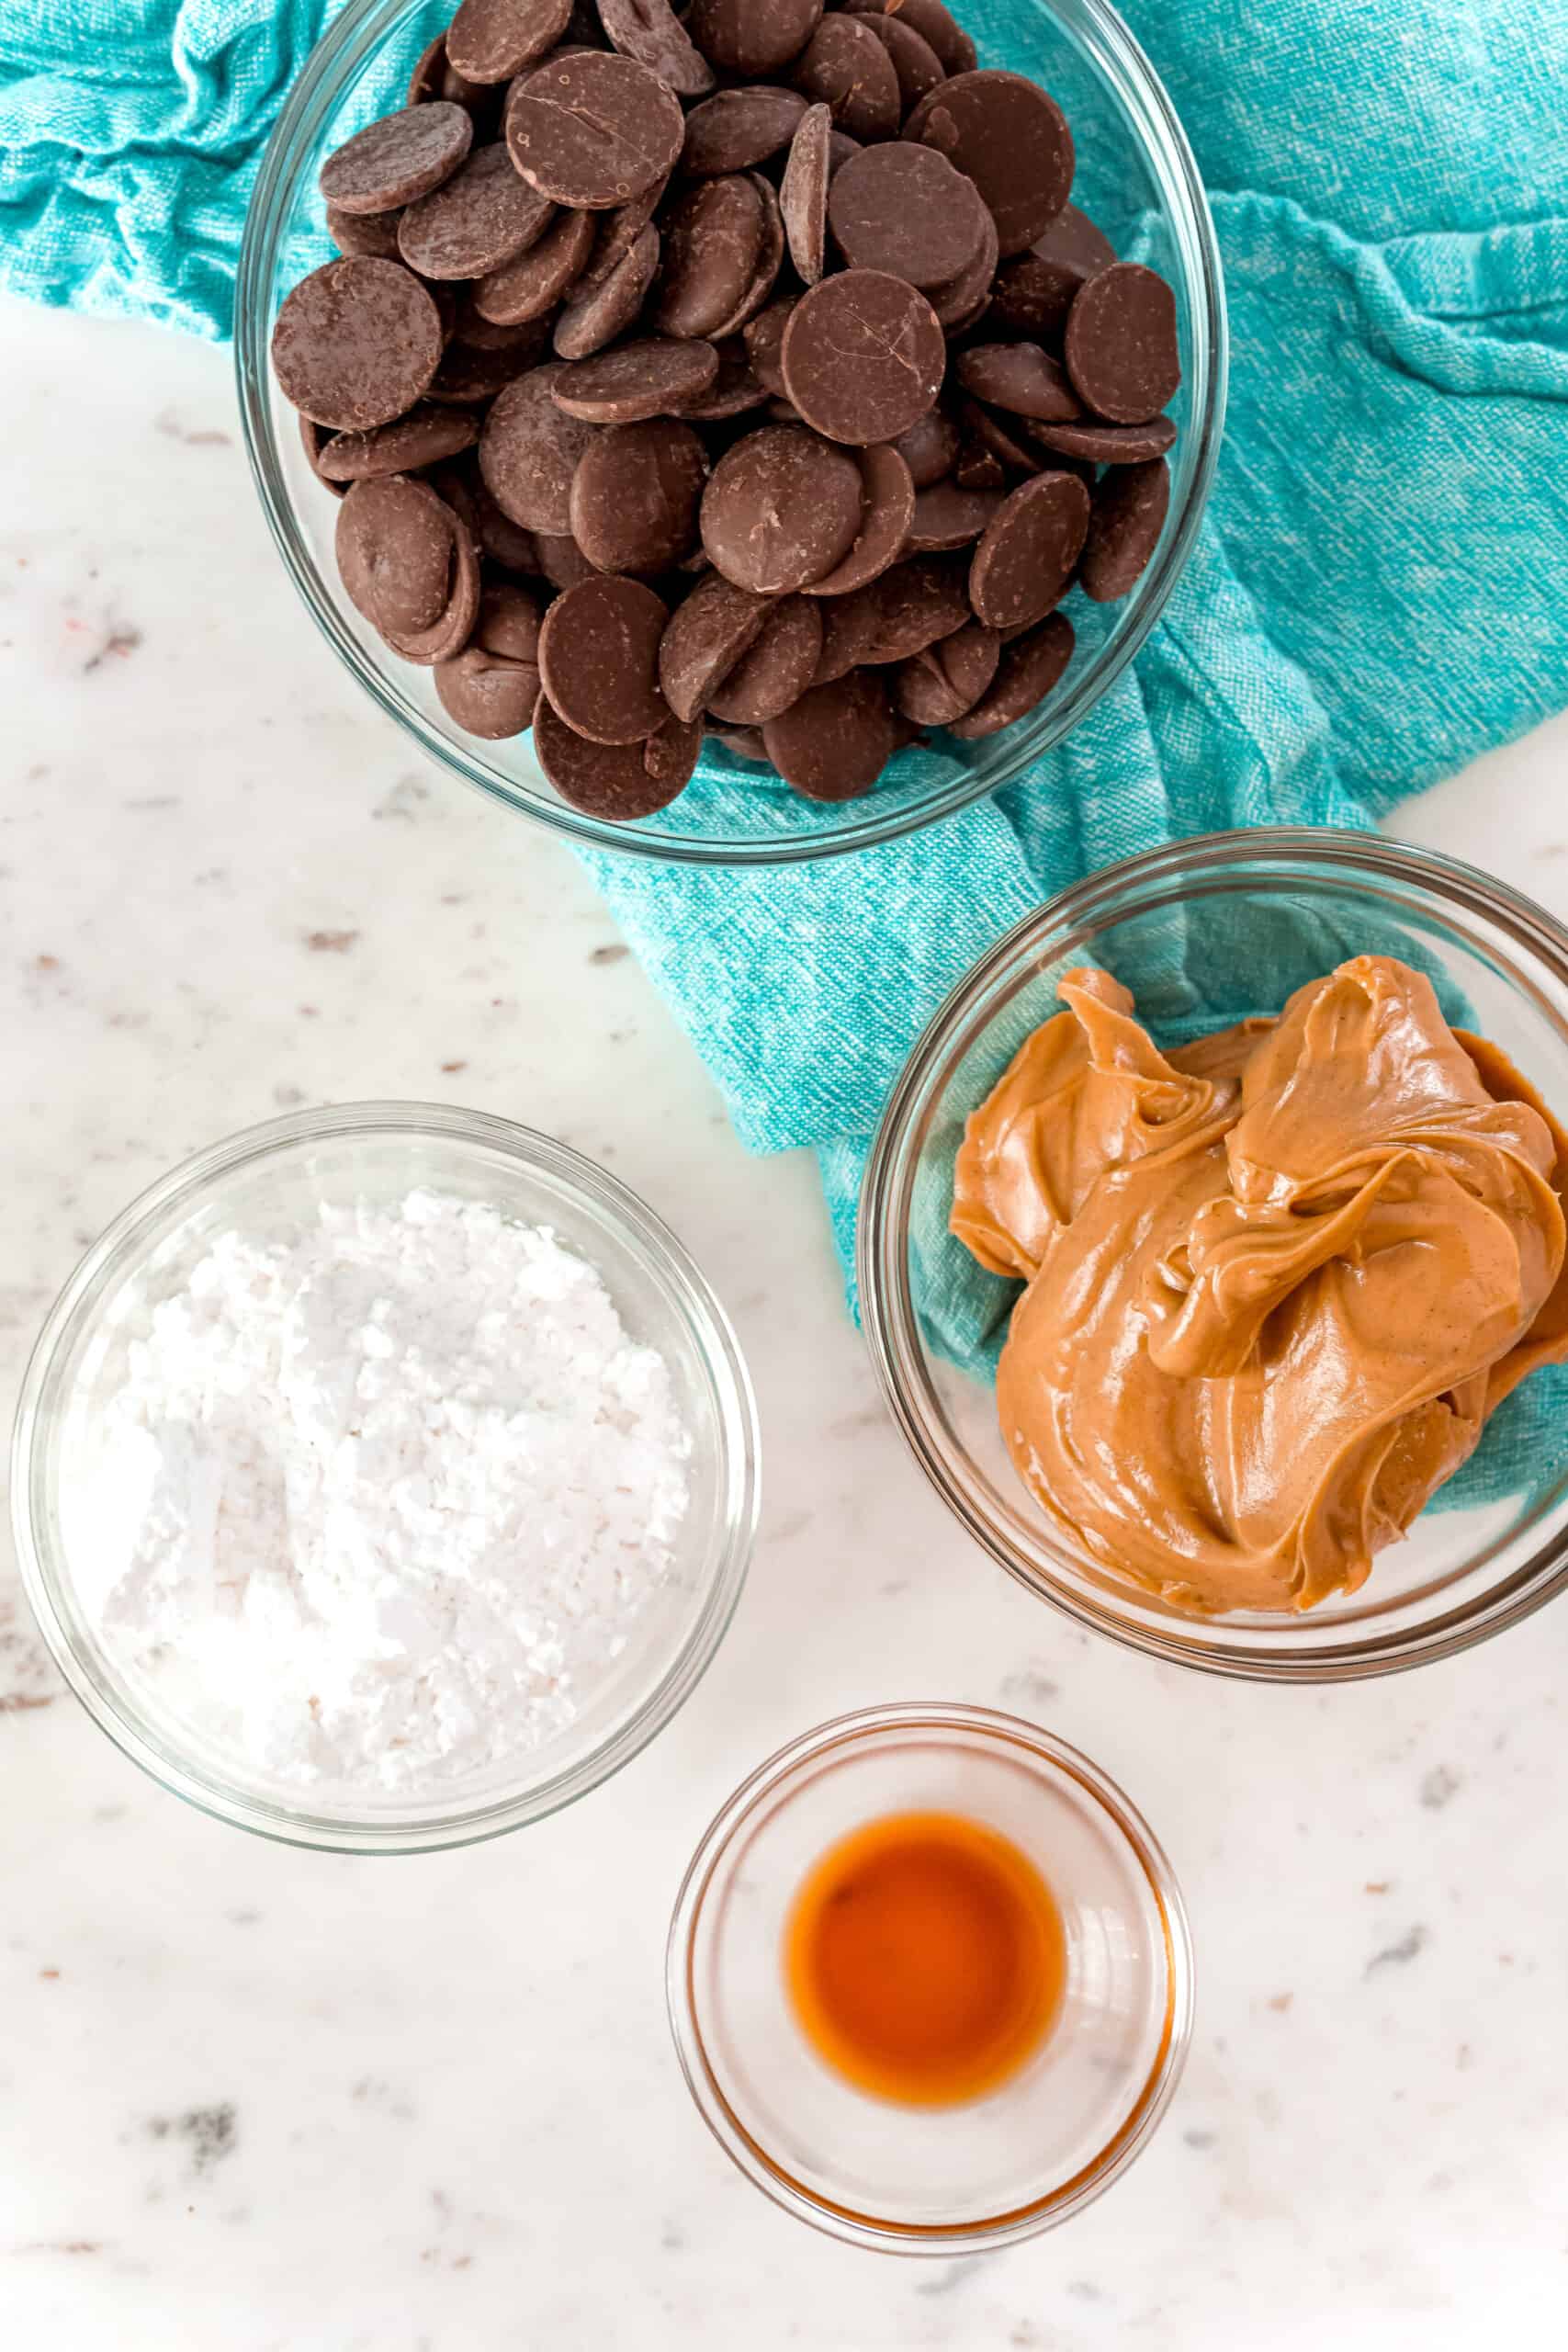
x=1277, y=1279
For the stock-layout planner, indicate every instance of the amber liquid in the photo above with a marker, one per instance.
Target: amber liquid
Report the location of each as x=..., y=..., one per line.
x=925, y=1957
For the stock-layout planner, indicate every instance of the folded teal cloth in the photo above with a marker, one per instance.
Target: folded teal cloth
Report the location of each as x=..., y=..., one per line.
x=1379, y=591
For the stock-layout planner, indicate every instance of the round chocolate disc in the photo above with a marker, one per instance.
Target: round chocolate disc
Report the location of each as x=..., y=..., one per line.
x=745, y=741
x=392, y=162
x=357, y=343
x=848, y=70
x=939, y=684
x=803, y=192
x=599, y=659
x=1124, y=526
x=436, y=77
x=636, y=379
x=947, y=515
x=764, y=340
x=706, y=639
x=1094, y=444
x=489, y=40
x=371, y=233
x=713, y=240
x=737, y=129
x=561, y=560
x=529, y=451
x=1029, y=668
x=1121, y=344
x=634, y=496
x=712, y=627
x=834, y=742
x=1031, y=544
x=594, y=130
x=863, y=356
x=1011, y=448
x=915, y=62
x=422, y=438
x=752, y=36
x=651, y=31
x=902, y=207
x=964, y=297
x=595, y=316
x=912, y=607
x=782, y=508
x=888, y=511
x=1032, y=295
x=491, y=687
x=1011, y=139
x=1073, y=238
x=770, y=261
x=776, y=670
x=1021, y=378
x=734, y=389
x=618, y=781
x=935, y=24
x=530, y=286
x=930, y=448
x=409, y=566
x=484, y=215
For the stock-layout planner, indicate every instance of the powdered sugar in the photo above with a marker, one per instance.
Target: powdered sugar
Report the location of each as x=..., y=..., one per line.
x=378, y=1503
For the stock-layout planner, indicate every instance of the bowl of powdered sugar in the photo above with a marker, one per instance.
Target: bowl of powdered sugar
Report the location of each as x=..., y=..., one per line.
x=385, y=1477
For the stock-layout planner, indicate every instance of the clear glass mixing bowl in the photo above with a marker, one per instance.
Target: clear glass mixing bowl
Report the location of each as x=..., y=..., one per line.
x=275, y=1177
x=1134, y=165
x=1220, y=927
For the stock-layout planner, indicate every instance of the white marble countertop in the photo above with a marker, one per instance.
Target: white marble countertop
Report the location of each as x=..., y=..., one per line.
x=257, y=2098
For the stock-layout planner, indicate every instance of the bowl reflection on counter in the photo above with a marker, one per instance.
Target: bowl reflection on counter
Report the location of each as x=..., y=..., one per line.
x=1206, y=932
x=1134, y=167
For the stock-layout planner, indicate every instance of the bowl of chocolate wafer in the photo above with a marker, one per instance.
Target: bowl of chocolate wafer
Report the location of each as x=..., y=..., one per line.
x=739, y=434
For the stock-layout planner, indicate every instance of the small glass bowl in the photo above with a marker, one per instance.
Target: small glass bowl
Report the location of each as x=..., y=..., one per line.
x=948, y=2180
x=276, y=1176
x=1204, y=931
x=1134, y=167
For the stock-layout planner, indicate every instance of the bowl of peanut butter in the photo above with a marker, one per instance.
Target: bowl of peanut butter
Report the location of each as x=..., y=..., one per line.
x=1213, y=1253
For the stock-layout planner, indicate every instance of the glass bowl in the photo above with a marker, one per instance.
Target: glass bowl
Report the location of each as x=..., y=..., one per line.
x=950, y=2180
x=1205, y=931
x=1134, y=167
x=277, y=1175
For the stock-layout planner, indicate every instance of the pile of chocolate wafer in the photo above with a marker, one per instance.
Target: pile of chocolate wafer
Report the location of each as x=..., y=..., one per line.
x=746, y=372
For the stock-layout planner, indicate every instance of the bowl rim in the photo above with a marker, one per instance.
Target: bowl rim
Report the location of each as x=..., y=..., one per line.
x=941, y=2240
x=620, y=1210
x=342, y=51
x=887, y=1310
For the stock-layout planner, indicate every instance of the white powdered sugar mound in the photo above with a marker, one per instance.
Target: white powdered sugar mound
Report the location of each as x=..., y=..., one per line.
x=378, y=1504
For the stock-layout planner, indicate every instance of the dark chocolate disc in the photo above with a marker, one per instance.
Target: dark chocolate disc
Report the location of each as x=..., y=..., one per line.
x=886, y=512
x=529, y=451
x=635, y=493
x=423, y=438
x=803, y=192
x=930, y=448
x=706, y=639
x=863, y=356
x=948, y=515
x=776, y=670
x=782, y=508
x=1031, y=666
x=484, y=215
x=915, y=62
x=392, y=162
x=1020, y=378
x=945, y=680
x=617, y=782
x=531, y=286
x=752, y=36
x=834, y=742
x=592, y=317
x=599, y=659
x=735, y=129
x=1033, y=542
x=902, y=207
x=357, y=343
x=1126, y=518
x=847, y=69
x=636, y=379
x=713, y=240
x=1121, y=343
x=1011, y=139
x=594, y=130
x=651, y=31
x=489, y=40
x=1095, y=444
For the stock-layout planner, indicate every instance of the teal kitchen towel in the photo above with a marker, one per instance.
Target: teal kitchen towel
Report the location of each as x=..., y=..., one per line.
x=1381, y=588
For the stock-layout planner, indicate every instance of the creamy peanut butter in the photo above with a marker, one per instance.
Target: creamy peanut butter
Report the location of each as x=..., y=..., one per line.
x=1277, y=1279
